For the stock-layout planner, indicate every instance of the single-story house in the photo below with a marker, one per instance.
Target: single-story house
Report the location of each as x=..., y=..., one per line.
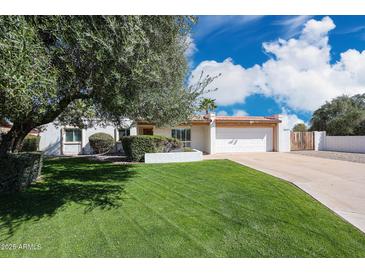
x=209, y=134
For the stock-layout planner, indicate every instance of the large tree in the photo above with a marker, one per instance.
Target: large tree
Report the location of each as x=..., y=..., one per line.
x=71, y=68
x=344, y=115
x=300, y=127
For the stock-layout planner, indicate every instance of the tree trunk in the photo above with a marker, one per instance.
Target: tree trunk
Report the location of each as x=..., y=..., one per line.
x=12, y=140
x=7, y=142
x=19, y=140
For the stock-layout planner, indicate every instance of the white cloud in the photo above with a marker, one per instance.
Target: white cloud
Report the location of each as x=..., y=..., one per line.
x=233, y=85
x=236, y=112
x=292, y=118
x=293, y=24
x=219, y=24
x=191, y=48
x=299, y=72
x=222, y=113
x=239, y=112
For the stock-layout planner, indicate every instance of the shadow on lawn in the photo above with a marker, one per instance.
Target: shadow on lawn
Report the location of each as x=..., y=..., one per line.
x=88, y=183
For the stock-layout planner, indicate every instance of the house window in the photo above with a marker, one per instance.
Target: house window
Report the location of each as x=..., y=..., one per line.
x=124, y=132
x=182, y=134
x=73, y=135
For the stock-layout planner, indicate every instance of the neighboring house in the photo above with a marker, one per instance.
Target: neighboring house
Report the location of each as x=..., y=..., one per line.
x=210, y=134
x=5, y=126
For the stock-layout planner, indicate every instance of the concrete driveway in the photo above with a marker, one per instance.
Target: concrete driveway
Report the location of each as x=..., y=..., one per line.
x=340, y=185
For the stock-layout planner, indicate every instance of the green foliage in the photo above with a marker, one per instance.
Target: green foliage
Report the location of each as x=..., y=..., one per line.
x=300, y=127
x=344, y=115
x=47, y=60
x=136, y=146
x=31, y=143
x=19, y=170
x=101, y=142
x=27, y=79
x=207, y=105
x=103, y=67
x=187, y=149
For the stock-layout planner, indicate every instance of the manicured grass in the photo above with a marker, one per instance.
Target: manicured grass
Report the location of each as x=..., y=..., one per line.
x=205, y=209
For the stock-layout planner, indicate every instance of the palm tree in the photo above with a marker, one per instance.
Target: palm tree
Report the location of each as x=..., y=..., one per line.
x=208, y=104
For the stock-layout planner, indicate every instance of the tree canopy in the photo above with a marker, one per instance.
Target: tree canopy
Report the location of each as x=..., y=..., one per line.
x=103, y=67
x=300, y=127
x=344, y=115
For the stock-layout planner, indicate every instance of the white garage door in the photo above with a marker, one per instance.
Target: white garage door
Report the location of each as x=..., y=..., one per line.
x=244, y=139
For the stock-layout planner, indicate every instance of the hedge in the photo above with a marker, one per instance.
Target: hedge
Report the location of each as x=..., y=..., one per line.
x=101, y=142
x=30, y=143
x=19, y=170
x=136, y=146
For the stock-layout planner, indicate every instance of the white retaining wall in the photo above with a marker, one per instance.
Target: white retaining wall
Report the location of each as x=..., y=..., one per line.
x=173, y=157
x=283, y=133
x=355, y=144
x=319, y=140
x=345, y=143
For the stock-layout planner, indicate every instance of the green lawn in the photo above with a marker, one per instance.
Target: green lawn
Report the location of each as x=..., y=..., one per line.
x=206, y=209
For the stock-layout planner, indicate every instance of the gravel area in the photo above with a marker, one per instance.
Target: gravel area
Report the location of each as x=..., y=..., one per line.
x=343, y=156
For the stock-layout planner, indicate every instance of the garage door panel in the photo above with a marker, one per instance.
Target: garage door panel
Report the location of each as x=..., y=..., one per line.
x=244, y=139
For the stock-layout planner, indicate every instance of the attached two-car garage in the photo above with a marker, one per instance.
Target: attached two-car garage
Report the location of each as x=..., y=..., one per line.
x=244, y=139
x=245, y=134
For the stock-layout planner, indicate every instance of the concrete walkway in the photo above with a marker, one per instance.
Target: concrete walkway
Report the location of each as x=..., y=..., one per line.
x=340, y=185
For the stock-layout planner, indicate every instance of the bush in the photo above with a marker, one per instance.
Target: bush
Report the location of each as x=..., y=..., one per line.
x=136, y=146
x=101, y=142
x=30, y=143
x=19, y=170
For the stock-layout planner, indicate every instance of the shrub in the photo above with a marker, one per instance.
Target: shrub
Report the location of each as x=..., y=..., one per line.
x=30, y=143
x=136, y=146
x=101, y=142
x=19, y=170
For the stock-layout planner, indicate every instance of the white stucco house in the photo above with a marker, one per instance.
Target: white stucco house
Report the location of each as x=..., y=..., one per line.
x=209, y=134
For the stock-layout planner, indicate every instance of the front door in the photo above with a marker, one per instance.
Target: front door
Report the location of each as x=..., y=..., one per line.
x=147, y=131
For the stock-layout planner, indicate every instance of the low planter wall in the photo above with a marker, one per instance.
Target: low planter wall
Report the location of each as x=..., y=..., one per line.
x=173, y=157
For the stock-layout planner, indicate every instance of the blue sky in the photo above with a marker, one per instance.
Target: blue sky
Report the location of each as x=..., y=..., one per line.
x=234, y=45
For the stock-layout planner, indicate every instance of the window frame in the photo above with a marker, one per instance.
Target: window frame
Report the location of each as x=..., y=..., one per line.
x=127, y=130
x=73, y=136
x=182, y=135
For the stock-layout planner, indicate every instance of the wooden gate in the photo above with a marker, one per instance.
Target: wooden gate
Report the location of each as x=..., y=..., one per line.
x=302, y=140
